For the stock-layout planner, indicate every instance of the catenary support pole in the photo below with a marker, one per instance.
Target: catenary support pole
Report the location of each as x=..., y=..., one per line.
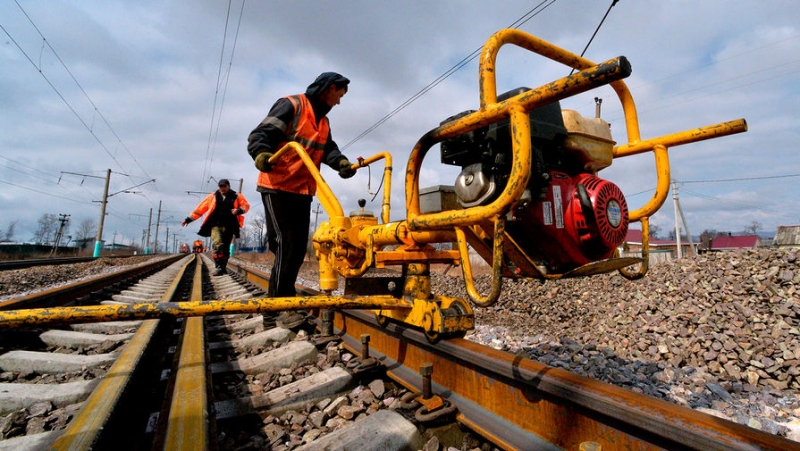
x=98, y=241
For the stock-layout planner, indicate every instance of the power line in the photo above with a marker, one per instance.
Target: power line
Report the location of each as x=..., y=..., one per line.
x=214, y=131
x=613, y=2
x=519, y=22
x=739, y=204
x=661, y=104
x=721, y=181
x=43, y=192
x=741, y=179
x=97, y=110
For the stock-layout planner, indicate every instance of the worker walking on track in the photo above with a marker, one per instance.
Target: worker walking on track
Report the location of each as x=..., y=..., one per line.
x=226, y=209
x=286, y=186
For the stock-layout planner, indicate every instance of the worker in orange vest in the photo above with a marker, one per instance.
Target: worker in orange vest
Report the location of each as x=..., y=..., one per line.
x=286, y=186
x=226, y=209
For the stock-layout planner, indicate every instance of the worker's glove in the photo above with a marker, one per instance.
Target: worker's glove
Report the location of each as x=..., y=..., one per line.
x=262, y=162
x=345, y=170
x=186, y=221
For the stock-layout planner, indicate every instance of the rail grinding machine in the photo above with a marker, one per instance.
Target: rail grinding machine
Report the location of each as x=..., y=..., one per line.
x=529, y=197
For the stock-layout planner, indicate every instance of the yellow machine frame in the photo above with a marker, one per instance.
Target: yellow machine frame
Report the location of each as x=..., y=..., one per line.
x=349, y=246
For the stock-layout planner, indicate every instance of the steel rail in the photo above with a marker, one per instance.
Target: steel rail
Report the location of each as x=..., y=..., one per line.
x=70, y=294
x=494, y=390
x=21, y=264
x=521, y=404
x=85, y=430
x=188, y=421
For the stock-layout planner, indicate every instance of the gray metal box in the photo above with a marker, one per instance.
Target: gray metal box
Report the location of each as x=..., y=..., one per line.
x=437, y=198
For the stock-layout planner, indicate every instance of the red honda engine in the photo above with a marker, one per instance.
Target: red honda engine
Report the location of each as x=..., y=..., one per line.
x=568, y=216
x=581, y=219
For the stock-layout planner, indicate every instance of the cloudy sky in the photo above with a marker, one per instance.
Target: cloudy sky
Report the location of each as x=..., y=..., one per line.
x=169, y=90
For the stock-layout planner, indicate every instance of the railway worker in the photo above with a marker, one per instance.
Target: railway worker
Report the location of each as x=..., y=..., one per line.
x=226, y=209
x=286, y=186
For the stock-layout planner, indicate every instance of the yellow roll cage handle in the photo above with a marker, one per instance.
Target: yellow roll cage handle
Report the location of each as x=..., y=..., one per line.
x=645, y=264
x=326, y=197
x=497, y=265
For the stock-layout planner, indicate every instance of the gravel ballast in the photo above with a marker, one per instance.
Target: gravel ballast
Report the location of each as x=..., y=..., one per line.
x=718, y=333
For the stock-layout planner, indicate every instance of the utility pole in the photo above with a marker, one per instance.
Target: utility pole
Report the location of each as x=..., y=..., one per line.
x=688, y=233
x=98, y=244
x=679, y=211
x=63, y=219
x=166, y=242
x=158, y=223
x=147, y=241
x=98, y=241
x=316, y=215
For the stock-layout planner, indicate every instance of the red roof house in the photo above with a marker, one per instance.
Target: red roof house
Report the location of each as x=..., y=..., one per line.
x=728, y=243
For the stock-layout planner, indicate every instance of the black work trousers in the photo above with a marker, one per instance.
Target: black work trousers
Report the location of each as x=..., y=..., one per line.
x=288, y=217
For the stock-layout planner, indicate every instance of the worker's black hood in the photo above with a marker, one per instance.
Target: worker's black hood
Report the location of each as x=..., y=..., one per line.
x=324, y=80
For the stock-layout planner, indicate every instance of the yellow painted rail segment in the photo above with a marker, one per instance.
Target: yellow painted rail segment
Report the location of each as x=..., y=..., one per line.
x=84, y=430
x=187, y=428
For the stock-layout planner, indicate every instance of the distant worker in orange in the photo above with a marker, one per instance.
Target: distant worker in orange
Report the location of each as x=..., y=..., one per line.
x=226, y=209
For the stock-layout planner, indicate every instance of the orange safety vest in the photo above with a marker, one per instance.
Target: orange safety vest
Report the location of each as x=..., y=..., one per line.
x=289, y=173
x=210, y=202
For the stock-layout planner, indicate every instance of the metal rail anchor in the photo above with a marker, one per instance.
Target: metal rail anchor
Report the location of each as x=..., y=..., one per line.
x=326, y=334
x=429, y=407
x=364, y=363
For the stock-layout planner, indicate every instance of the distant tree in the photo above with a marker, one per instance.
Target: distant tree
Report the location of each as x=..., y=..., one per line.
x=753, y=228
x=46, y=229
x=9, y=233
x=86, y=229
x=707, y=236
x=258, y=227
x=655, y=231
x=244, y=237
x=671, y=236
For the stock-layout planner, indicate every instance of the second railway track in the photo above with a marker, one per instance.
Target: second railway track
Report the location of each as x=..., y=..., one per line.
x=264, y=380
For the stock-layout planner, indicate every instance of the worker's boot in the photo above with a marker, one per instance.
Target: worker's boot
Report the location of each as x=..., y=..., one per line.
x=223, y=266
x=218, y=269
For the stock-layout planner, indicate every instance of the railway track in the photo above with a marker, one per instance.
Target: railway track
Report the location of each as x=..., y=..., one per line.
x=155, y=375
x=31, y=262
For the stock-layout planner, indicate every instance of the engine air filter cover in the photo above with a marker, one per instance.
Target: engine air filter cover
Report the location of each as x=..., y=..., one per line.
x=610, y=212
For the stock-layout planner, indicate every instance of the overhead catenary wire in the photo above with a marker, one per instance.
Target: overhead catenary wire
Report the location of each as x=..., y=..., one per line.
x=216, y=117
x=77, y=83
x=516, y=24
x=613, y=2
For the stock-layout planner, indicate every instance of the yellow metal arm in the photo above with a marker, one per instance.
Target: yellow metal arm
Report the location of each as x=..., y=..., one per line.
x=387, y=180
x=684, y=137
x=517, y=108
x=324, y=193
x=497, y=265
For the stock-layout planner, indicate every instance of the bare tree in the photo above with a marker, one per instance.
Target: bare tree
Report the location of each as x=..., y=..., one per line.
x=244, y=237
x=753, y=228
x=86, y=229
x=258, y=227
x=708, y=236
x=655, y=231
x=46, y=229
x=9, y=233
